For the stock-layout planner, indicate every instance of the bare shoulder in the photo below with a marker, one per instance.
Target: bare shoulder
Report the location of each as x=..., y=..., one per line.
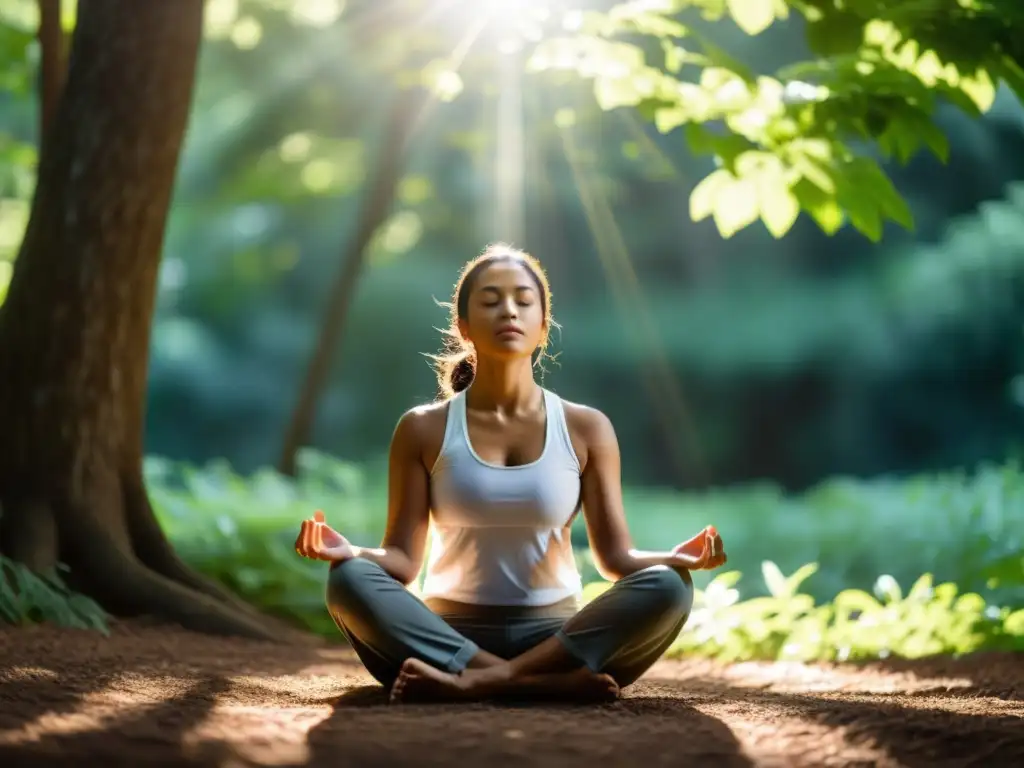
x=590, y=430
x=420, y=431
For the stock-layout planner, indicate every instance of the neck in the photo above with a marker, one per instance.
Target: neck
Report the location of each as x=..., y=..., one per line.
x=505, y=385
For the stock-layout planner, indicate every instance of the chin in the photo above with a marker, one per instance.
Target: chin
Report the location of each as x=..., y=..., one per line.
x=511, y=349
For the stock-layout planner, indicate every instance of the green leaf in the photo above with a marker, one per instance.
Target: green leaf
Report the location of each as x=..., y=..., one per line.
x=820, y=206
x=864, y=214
x=799, y=576
x=736, y=207
x=869, y=192
x=779, y=211
x=935, y=139
x=980, y=88
x=614, y=92
x=774, y=579
x=704, y=197
x=666, y=120
x=778, y=205
x=752, y=16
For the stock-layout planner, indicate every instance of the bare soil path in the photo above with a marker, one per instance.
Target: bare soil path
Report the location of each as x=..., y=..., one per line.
x=162, y=696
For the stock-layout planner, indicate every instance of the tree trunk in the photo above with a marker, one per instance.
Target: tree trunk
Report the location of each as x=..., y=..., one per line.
x=51, y=69
x=74, y=331
x=402, y=123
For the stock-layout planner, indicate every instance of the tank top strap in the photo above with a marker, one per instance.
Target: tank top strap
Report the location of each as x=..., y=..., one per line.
x=558, y=427
x=454, y=427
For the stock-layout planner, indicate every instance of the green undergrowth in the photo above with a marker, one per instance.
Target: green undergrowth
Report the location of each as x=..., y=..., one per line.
x=30, y=598
x=788, y=625
x=948, y=546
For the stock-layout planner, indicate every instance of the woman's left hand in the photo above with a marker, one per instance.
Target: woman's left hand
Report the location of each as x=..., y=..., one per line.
x=705, y=551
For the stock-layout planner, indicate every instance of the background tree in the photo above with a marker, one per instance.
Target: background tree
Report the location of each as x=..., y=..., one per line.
x=75, y=328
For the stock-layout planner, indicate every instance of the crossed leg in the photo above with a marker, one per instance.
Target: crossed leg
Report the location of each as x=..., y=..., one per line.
x=414, y=652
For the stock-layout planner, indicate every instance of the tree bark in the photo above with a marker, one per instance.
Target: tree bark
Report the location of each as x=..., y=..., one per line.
x=75, y=329
x=51, y=70
x=402, y=123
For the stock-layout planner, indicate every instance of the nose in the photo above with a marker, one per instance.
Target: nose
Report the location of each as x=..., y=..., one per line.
x=509, y=309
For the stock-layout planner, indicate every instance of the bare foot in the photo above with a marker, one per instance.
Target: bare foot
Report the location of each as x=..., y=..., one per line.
x=419, y=681
x=580, y=685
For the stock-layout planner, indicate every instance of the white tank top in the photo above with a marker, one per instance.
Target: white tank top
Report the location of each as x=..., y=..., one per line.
x=500, y=535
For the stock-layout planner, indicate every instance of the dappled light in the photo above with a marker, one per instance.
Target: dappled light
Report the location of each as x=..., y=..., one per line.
x=317, y=705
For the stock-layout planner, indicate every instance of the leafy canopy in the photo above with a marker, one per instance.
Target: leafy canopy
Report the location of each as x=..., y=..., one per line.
x=798, y=139
x=802, y=138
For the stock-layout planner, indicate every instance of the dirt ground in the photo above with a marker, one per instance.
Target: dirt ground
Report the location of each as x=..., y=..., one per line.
x=162, y=696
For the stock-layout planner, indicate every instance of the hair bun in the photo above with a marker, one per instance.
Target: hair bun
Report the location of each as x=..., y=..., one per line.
x=462, y=374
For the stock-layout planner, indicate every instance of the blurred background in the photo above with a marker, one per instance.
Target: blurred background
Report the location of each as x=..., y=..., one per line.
x=820, y=399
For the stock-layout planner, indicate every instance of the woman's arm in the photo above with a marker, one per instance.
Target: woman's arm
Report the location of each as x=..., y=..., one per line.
x=401, y=551
x=610, y=541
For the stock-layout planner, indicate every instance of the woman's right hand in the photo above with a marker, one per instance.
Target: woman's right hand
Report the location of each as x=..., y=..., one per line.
x=318, y=541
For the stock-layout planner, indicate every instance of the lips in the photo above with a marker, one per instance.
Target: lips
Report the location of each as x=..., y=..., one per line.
x=509, y=329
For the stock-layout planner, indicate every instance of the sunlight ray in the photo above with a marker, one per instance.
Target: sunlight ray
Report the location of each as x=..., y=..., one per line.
x=541, y=176
x=636, y=130
x=509, y=154
x=662, y=385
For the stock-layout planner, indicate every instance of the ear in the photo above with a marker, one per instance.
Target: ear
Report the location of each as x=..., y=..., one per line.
x=463, y=327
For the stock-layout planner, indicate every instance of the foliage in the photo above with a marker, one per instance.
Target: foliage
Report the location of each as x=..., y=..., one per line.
x=957, y=525
x=792, y=140
x=241, y=531
x=856, y=625
x=30, y=598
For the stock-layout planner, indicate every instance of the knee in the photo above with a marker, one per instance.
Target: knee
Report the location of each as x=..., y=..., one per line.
x=670, y=590
x=347, y=584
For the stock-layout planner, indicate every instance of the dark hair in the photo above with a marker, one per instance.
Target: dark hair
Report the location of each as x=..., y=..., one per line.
x=456, y=365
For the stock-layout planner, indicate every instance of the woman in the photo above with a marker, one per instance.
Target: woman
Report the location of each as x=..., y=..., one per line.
x=501, y=466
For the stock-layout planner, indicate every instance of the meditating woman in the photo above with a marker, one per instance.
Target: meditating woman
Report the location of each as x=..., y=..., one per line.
x=501, y=466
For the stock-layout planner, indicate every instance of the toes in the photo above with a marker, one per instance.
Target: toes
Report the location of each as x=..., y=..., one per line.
x=398, y=687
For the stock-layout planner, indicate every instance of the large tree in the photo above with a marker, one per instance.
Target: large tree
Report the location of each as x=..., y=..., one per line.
x=75, y=328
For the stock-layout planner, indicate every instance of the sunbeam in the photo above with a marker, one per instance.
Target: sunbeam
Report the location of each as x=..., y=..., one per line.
x=510, y=154
x=662, y=385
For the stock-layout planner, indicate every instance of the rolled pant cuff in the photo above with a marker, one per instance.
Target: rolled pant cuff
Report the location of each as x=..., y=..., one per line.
x=577, y=652
x=458, y=662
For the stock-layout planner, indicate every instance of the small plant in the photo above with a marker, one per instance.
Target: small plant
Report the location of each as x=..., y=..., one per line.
x=855, y=625
x=30, y=598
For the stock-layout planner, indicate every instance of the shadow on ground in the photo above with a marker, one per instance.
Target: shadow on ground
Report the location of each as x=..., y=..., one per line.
x=171, y=698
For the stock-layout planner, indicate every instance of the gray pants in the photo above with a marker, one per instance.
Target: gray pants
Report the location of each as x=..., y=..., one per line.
x=621, y=633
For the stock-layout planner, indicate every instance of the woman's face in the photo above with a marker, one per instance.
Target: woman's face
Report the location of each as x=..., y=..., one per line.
x=505, y=313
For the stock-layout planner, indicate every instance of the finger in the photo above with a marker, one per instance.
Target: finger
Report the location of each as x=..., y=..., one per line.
x=318, y=516
x=694, y=546
x=688, y=561
x=300, y=540
x=307, y=539
x=318, y=540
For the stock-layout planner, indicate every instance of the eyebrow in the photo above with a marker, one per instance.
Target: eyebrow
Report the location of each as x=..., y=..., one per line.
x=497, y=290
